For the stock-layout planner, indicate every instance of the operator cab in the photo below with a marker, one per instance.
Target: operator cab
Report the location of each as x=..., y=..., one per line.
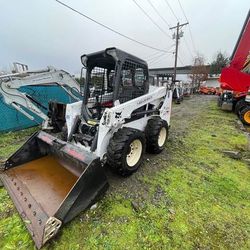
x=112, y=77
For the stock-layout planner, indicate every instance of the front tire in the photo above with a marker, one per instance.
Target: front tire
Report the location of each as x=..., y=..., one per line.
x=156, y=134
x=239, y=106
x=125, y=151
x=245, y=115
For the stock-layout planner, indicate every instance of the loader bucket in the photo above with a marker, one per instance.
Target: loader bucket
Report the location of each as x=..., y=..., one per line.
x=51, y=181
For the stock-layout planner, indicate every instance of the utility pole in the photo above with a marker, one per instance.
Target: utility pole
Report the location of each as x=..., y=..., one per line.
x=177, y=37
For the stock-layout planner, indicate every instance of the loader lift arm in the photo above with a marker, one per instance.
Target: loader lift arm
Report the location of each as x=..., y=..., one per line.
x=10, y=84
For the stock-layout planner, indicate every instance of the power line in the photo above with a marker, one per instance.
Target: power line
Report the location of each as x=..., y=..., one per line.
x=166, y=1
x=181, y=61
x=162, y=18
x=191, y=35
x=171, y=10
x=157, y=59
x=110, y=29
x=192, y=39
x=161, y=54
x=181, y=56
x=150, y=57
x=183, y=12
x=160, y=58
x=187, y=46
x=151, y=19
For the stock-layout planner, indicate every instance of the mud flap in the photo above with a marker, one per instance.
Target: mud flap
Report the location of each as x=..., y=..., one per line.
x=50, y=182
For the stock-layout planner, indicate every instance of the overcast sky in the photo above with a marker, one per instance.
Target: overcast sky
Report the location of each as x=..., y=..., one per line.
x=42, y=32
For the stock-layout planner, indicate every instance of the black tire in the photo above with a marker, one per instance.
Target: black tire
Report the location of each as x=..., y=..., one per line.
x=119, y=149
x=152, y=132
x=245, y=115
x=239, y=106
x=178, y=101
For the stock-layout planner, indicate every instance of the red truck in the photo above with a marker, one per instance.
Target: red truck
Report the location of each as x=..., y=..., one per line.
x=235, y=79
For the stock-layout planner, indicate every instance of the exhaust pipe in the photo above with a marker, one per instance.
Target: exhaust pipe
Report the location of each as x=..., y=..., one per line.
x=50, y=182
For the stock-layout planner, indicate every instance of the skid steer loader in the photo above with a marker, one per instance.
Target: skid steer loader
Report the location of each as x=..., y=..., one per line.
x=58, y=173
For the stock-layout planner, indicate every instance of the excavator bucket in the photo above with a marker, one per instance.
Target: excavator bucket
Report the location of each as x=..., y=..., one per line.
x=51, y=181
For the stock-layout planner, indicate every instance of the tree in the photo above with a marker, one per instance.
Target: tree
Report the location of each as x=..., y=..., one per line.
x=199, y=72
x=220, y=61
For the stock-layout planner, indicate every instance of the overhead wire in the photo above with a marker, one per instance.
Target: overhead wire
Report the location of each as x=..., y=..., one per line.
x=157, y=59
x=191, y=35
x=109, y=28
x=151, y=19
x=158, y=56
x=185, y=41
x=180, y=60
x=187, y=46
x=166, y=1
x=183, y=12
x=151, y=55
x=162, y=18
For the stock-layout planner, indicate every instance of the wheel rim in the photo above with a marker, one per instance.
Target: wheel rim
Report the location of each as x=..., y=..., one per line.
x=247, y=116
x=135, y=152
x=162, y=137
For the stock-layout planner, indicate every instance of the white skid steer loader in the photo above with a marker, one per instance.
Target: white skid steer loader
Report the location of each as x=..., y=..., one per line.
x=54, y=176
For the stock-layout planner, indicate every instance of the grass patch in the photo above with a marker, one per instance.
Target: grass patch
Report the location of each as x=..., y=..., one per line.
x=11, y=141
x=204, y=200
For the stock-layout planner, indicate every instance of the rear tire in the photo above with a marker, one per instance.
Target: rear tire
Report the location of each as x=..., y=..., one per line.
x=156, y=134
x=125, y=151
x=245, y=115
x=239, y=106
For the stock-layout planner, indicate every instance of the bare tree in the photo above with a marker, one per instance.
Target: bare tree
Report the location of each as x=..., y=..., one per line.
x=199, y=72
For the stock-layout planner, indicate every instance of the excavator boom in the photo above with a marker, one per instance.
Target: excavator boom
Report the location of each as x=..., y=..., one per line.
x=27, y=105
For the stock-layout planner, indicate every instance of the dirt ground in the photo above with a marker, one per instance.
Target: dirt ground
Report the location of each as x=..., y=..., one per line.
x=191, y=196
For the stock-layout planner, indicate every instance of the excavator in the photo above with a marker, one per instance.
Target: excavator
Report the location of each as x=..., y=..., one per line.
x=58, y=172
x=14, y=91
x=235, y=79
